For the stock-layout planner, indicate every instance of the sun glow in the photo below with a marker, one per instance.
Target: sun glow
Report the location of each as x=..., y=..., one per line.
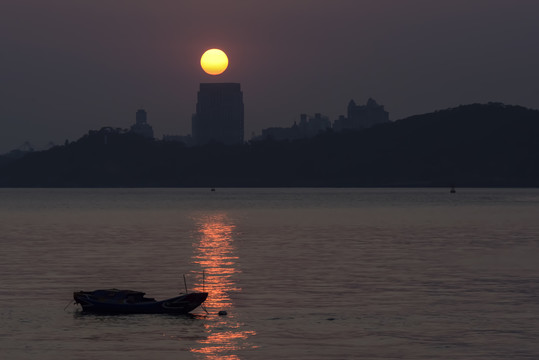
x=214, y=61
x=215, y=252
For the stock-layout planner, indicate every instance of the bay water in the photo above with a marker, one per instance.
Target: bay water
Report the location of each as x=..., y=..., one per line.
x=301, y=273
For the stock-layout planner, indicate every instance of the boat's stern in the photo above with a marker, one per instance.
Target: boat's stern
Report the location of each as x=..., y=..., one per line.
x=185, y=303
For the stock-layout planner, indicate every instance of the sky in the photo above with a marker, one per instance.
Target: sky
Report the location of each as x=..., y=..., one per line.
x=68, y=66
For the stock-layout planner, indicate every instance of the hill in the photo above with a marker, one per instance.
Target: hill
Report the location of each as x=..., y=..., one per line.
x=483, y=145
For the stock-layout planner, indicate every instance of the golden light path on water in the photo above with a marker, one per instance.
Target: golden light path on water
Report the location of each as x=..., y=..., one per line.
x=215, y=253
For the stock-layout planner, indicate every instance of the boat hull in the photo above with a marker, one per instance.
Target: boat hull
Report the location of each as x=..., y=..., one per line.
x=177, y=305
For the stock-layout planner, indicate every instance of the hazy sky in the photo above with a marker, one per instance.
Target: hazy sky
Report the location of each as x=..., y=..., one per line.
x=67, y=66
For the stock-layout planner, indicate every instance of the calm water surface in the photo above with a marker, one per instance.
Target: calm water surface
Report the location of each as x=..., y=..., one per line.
x=302, y=273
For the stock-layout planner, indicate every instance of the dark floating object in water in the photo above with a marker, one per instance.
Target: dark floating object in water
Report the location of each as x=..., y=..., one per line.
x=222, y=313
x=212, y=189
x=114, y=301
x=452, y=191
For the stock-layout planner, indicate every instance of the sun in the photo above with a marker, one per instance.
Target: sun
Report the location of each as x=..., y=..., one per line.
x=214, y=61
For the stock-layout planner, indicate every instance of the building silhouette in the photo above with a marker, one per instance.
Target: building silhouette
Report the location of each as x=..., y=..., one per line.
x=219, y=114
x=310, y=126
x=141, y=126
x=362, y=116
x=359, y=117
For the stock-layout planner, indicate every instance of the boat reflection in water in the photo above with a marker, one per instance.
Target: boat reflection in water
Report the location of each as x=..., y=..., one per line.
x=215, y=253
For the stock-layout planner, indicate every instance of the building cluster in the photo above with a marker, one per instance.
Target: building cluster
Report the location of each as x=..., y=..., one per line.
x=358, y=117
x=219, y=118
x=362, y=116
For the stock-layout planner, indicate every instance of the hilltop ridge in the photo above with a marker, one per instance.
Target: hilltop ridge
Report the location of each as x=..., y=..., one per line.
x=471, y=145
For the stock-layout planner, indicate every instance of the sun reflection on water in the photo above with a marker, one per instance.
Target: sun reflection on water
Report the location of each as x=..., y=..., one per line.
x=215, y=253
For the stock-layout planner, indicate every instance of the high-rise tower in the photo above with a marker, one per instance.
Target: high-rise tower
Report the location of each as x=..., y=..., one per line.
x=141, y=127
x=219, y=114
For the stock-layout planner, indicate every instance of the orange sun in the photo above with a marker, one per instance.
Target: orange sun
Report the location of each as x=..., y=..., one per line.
x=214, y=61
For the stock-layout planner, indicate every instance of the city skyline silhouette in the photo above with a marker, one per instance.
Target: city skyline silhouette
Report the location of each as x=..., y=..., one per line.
x=68, y=66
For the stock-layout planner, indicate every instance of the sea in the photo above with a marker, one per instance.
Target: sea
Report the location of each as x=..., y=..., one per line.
x=302, y=273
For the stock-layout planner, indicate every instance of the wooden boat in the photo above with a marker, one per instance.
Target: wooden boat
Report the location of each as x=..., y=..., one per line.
x=114, y=301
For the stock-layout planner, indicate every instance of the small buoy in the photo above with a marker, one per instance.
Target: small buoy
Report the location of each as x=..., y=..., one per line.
x=222, y=313
x=212, y=189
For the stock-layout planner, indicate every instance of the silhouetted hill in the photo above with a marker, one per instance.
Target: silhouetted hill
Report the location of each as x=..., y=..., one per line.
x=472, y=145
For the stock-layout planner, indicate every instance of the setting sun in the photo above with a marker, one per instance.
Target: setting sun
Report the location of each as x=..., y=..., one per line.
x=214, y=61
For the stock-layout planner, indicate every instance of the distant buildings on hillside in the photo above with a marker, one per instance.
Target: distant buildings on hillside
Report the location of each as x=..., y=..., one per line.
x=362, y=116
x=140, y=127
x=359, y=117
x=219, y=118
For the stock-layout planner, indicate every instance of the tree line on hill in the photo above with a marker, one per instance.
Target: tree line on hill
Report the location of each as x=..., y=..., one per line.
x=483, y=145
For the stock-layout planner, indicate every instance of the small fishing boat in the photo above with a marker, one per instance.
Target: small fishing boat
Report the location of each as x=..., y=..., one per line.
x=114, y=301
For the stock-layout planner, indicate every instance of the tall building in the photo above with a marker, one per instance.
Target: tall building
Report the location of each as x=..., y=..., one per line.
x=219, y=114
x=141, y=127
